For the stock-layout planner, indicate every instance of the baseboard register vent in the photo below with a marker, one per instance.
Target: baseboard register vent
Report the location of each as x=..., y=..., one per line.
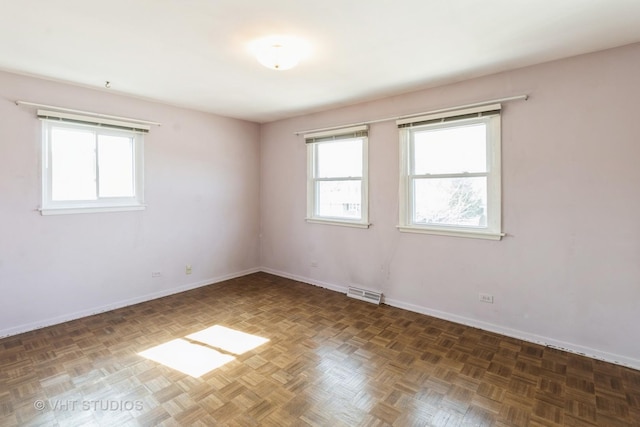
x=364, y=295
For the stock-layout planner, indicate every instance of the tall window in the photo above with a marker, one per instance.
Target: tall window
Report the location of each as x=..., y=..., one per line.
x=337, y=177
x=90, y=166
x=450, y=173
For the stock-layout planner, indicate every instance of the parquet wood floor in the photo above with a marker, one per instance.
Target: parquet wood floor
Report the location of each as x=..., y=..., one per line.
x=330, y=361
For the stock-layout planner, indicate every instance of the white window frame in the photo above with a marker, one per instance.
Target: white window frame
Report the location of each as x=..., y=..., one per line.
x=488, y=114
x=54, y=119
x=326, y=137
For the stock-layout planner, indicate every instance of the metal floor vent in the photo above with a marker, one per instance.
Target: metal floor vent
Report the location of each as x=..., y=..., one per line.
x=364, y=295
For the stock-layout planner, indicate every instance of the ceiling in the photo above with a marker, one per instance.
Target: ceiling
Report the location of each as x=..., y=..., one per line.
x=194, y=53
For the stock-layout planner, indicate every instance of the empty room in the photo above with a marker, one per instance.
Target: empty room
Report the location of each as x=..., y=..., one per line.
x=336, y=213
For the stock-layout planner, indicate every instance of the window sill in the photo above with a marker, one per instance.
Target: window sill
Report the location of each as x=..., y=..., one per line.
x=92, y=209
x=472, y=234
x=338, y=223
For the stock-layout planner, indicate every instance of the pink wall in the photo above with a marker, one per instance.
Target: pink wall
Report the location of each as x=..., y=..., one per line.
x=567, y=274
x=201, y=174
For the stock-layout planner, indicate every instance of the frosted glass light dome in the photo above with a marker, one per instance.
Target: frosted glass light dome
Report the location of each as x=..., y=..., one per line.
x=279, y=52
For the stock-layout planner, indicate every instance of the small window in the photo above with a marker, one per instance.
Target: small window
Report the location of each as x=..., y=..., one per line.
x=450, y=174
x=90, y=166
x=337, y=177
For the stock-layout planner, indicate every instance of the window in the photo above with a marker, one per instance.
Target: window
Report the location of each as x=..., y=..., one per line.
x=450, y=173
x=337, y=177
x=90, y=165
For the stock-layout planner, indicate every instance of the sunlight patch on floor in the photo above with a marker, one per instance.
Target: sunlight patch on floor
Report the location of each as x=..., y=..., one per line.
x=227, y=339
x=198, y=353
x=188, y=358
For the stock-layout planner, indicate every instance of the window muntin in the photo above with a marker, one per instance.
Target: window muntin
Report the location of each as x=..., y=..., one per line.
x=450, y=176
x=337, y=179
x=89, y=168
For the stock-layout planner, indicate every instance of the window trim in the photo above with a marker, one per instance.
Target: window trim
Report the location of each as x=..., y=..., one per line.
x=101, y=127
x=490, y=114
x=312, y=140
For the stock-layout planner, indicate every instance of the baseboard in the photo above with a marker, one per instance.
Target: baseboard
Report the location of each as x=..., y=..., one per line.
x=525, y=336
x=330, y=286
x=124, y=303
x=513, y=333
x=486, y=326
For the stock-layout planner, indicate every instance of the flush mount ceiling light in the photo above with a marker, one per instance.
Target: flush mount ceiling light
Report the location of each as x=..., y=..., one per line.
x=279, y=52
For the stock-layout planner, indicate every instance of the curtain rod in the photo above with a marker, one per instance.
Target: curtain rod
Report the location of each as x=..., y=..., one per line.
x=104, y=116
x=406, y=116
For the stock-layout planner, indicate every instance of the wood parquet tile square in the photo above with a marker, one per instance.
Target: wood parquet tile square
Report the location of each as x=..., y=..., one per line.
x=330, y=361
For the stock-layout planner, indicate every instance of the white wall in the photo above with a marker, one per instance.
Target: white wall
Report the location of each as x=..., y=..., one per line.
x=568, y=272
x=202, y=191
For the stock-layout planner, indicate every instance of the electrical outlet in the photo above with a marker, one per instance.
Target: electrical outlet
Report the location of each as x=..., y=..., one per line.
x=156, y=274
x=188, y=269
x=486, y=298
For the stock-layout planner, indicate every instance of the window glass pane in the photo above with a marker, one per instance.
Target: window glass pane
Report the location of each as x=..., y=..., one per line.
x=73, y=163
x=115, y=166
x=339, y=199
x=450, y=201
x=450, y=150
x=339, y=159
